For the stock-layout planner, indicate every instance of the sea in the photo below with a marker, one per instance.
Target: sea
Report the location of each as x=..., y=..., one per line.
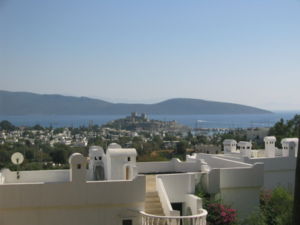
x=193, y=121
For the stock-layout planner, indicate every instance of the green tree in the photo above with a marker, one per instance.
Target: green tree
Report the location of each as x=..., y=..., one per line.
x=181, y=148
x=58, y=156
x=38, y=127
x=283, y=129
x=296, y=209
x=6, y=125
x=277, y=206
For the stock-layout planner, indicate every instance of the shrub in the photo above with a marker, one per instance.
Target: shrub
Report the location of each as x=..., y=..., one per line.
x=219, y=214
x=255, y=218
x=277, y=206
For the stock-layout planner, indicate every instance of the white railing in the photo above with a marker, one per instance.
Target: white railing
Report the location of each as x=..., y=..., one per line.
x=149, y=219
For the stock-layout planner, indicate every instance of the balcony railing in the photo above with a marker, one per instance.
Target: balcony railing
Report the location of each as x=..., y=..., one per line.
x=199, y=219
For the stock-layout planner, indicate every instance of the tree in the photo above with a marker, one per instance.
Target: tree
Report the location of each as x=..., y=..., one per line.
x=296, y=209
x=284, y=129
x=181, y=147
x=6, y=125
x=58, y=156
x=38, y=127
x=277, y=206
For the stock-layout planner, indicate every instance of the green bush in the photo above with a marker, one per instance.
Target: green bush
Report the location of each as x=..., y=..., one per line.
x=255, y=218
x=277, y=206
x=275, y=209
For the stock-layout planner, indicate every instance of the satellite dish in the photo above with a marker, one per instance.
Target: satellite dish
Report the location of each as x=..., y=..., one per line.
x=17, y=158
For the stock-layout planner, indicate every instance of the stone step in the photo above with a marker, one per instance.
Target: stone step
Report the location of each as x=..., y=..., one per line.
x=152, y=199
x=154, y=205
x=151, y=194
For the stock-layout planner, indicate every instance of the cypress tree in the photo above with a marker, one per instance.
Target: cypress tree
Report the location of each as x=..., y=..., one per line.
x=296, y=210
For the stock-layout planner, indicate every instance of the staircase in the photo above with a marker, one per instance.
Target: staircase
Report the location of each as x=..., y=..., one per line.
x=154, y=214
x=152, y=202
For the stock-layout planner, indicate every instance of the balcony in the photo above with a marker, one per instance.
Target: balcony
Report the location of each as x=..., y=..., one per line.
x=149, y=219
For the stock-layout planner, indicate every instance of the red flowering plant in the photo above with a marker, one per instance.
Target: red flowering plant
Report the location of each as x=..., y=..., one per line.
x=219, y=214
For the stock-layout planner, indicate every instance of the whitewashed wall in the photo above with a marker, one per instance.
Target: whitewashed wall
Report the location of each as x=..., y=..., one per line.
x=279, y=171
x=220, y=161
x=238, y=187
x=164, y=199
x=174, y=165
x=177, y=185
x=180, y=188
x=72, y=203
x=35, y=176
x=194, y=203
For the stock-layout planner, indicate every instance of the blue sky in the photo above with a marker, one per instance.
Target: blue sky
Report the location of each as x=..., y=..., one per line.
x=244, y=52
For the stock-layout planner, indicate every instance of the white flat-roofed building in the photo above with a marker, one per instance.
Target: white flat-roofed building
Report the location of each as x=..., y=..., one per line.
x=110, y=187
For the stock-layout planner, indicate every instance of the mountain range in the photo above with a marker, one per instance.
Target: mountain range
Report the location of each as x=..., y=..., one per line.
x=25, y=103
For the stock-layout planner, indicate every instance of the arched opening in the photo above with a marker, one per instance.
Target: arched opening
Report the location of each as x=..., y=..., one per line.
x=99, y=172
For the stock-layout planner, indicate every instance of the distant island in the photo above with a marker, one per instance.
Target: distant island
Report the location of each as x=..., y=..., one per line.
x=25, y=103
x=141, y=123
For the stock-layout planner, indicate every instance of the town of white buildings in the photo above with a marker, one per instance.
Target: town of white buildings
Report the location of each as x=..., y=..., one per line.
x=110, y=187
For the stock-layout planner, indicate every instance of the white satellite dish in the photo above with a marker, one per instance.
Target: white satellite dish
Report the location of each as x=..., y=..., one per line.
x=17, y=158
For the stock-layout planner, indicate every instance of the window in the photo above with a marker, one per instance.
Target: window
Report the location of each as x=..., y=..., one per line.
x=79, y=166
x=100, y=158
x=127, y=222
x=128, y=159
x=95, y=158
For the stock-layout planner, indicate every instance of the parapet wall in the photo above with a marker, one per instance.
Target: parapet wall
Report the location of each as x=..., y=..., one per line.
x=238, y=187
x=174, y=165
x=35, y=176
x=218, y=161
x=72, y=203
x=174, y=188
x=278, y=171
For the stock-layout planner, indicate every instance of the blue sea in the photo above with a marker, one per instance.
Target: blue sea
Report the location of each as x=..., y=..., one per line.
x=193, y=121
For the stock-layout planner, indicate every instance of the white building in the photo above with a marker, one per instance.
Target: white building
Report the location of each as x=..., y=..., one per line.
x=69, y=197
x=112, y=188
x=279, y=164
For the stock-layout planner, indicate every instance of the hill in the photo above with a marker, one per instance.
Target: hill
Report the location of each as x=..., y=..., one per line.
x=141, y=123
x=24, y=103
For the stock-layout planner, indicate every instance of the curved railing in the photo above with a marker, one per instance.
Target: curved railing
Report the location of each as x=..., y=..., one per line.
x=149, y=219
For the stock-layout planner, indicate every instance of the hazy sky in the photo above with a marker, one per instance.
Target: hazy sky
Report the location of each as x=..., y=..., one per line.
x=149, y=50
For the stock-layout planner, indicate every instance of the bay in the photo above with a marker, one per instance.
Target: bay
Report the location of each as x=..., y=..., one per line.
x=193, y=121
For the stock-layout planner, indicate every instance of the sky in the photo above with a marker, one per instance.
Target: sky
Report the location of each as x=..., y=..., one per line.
x=238, y=51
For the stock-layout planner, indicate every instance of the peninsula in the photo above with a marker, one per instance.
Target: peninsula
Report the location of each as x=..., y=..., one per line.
x=24, y=103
